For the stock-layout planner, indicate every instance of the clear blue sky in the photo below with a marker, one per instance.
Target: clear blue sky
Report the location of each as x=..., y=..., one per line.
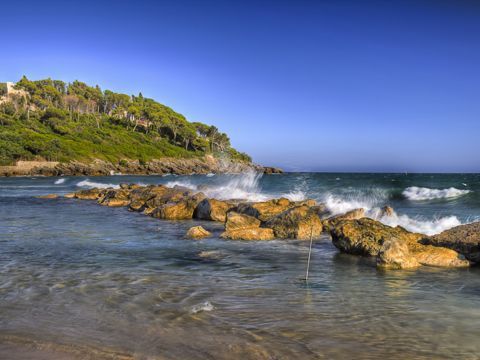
x=305, y=85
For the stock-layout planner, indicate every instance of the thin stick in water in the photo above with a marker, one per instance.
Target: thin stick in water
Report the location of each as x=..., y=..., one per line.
x=309, y=253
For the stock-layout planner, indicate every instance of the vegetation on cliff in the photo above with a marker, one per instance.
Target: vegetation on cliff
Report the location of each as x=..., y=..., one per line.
x=58, y=121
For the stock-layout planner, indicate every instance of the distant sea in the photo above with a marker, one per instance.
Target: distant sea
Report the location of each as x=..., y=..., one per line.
x=79, y=280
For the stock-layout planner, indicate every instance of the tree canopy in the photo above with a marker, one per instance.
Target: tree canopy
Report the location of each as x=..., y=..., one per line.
x=69, y=115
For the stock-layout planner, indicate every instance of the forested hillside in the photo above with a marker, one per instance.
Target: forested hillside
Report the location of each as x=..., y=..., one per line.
x=57, y=121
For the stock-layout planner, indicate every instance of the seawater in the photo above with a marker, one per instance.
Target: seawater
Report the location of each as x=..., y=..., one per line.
x=85, y=281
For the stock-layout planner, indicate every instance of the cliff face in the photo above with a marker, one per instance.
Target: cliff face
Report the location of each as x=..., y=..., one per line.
x=204, y=165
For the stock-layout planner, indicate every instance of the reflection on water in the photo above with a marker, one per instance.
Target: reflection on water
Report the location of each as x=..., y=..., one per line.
x=83, y=281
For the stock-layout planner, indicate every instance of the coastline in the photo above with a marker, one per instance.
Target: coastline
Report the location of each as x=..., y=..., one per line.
x=178, y=166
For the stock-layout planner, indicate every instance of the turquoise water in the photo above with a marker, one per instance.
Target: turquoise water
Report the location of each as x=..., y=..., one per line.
x=76, y=274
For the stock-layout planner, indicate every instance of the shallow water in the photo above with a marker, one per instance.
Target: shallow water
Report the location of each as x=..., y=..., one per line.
x=78, y=277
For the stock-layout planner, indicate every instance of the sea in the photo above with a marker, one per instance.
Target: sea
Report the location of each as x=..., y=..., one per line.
x=83, y=281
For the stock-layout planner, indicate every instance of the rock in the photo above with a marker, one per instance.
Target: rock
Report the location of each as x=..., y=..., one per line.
x=300, y=222
x=168, y=195
x=366, y=236
x=236, y=221
x=464, y=239
x=265, y=210
x=49, y=196
x=212, y=209
x=321, y=211
x=180, y=210
x=69, y=195
x=386, y=211
x=245, y=227
x=90, y=194
x=115, y=198
x=249, y=234
x=130, y=186
x=355, y=214
x=394, y=254
x=140, y=196
x=197, y=232
x=272, y=170
x=429, y=255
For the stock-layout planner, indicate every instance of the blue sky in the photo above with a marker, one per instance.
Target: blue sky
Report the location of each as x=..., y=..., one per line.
x=305, y=85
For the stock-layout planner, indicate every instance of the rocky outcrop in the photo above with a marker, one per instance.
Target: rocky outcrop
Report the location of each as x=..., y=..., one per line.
x=181, y=209
x=245, y=227
x=265, y=210
x=366, y=236
x=464, y=239
x=115, y=198
x=355, y=214
x=300, y=222
x=352, y=233
x=179, y=166
x=197, y=232
x=272, y=170
x=237, y=221
x=369, y=237
x=89, y=194
x=214, y=210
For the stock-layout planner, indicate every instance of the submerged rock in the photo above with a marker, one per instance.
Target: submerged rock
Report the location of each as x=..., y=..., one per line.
x=464, y=239
x=197, y=232
x=249, y=234
x=212, y=209
x=301, y=222
x=49, y=196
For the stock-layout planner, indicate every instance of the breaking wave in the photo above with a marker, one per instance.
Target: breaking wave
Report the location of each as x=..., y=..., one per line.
x=244, y=186
x=59, y=181
x=353, y=199
x=372, y=205
x=421, y=193
x=423, y=226
x=91, y=184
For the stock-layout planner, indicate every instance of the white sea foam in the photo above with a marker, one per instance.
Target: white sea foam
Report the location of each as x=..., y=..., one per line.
x=421, y=193
x=91, y=184
x=183, y=183
x=296, y=195
x=210, y=174
x=206, y=306
x=423, y=226
x=244, y=186
x=59, y=181
x=353, y=199
x=372, y=205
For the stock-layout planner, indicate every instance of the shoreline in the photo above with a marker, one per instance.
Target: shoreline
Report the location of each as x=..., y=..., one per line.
x=178, y=166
